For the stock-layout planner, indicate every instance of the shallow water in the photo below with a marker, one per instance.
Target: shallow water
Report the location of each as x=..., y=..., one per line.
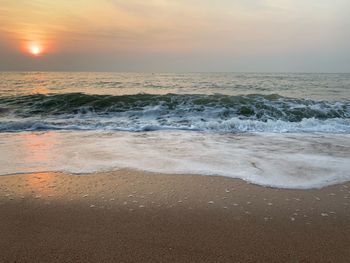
x=278, y=160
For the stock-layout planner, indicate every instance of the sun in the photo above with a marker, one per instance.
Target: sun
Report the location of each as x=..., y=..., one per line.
x=35, y=50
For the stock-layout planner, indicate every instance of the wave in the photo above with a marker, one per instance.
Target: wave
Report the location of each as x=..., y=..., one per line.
x=143, y=112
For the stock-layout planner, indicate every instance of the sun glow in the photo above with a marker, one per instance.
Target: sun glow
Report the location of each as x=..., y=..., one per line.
x=35, y=50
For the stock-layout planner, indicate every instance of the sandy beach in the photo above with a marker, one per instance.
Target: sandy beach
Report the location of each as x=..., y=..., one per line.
x=129, y=216
x=174, y=131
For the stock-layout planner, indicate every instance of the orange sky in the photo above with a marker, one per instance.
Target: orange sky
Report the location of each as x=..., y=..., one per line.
x=242, y=30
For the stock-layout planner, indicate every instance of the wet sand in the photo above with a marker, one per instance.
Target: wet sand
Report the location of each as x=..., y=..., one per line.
x=129, y=216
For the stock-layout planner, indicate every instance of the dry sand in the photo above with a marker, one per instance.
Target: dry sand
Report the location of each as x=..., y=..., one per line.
x=130, y=216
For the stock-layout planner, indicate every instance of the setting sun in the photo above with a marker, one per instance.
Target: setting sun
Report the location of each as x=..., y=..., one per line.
x=35, y=50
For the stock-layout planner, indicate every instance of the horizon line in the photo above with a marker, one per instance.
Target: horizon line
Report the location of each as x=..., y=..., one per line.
x=176, y=72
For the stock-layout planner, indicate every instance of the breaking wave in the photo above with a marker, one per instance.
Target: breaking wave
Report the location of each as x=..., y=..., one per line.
x=148, y=112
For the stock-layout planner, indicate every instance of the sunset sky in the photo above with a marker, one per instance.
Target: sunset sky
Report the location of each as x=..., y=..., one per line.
x=181, y=35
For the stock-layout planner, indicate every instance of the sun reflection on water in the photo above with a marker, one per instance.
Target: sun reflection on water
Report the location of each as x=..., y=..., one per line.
x=38, y=152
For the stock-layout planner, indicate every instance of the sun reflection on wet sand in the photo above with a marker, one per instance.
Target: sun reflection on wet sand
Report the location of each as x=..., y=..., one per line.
x=38, y=152
x=40, y=184
x=31, y=186
x=38, y=148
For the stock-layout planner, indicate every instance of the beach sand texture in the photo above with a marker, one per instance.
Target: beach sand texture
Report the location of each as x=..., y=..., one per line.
x=129, y=216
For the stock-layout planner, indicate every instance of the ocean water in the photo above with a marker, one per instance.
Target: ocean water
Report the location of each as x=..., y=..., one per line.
x=279, y=130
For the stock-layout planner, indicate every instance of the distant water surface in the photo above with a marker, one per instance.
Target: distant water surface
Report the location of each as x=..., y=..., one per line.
x=305, y=86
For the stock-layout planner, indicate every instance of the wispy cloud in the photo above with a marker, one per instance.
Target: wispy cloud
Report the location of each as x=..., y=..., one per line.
x=231, y=27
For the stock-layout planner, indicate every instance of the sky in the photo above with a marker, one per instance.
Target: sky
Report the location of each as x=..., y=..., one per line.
x=175, y=36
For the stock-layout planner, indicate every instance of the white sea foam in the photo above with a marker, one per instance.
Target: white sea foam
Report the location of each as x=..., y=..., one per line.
x=277, y=160
x=152, y=123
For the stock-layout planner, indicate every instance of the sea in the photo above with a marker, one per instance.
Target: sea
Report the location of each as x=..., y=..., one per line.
x=272, y=129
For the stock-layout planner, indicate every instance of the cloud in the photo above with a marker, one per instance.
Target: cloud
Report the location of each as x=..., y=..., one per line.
x=182, y=28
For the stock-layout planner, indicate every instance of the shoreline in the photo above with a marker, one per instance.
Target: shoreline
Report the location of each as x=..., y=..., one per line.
x=131, y=216
x=151, y=173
